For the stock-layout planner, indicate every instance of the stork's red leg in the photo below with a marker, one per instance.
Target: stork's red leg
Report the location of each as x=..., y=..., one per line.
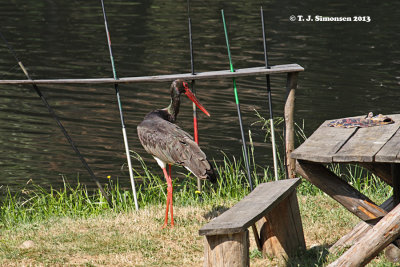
x=168, y=198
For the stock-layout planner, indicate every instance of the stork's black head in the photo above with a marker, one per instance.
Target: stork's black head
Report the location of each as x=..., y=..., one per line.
x=177, y=88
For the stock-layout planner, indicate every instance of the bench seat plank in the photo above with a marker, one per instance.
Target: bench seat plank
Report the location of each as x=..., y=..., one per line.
x=251, y=208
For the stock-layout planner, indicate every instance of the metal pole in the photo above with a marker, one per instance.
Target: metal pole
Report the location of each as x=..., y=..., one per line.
x=246, y=158
x=195, y=125
x=271, y=116
x=128, y=156
x=55, y=117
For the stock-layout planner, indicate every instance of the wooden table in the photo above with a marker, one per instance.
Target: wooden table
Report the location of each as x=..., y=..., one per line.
x=375, y=148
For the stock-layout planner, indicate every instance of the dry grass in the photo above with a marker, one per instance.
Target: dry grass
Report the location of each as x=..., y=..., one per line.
x=135, y=239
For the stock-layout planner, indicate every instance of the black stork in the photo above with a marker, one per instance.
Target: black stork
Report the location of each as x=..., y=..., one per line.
x=170, y=145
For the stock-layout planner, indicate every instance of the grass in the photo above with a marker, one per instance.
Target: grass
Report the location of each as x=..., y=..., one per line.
x=73, y=226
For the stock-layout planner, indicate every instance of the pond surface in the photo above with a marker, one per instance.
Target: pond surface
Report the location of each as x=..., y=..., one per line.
x=351, y=68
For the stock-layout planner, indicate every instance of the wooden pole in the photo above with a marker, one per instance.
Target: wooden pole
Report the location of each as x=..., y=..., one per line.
x=289, y=123
x=255, y=71
x=369, y=246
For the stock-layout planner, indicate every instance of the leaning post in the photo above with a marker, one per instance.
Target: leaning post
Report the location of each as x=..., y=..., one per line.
x=291, y=86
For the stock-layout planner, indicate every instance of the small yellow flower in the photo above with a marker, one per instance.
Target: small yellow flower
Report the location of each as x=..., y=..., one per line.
x=109, y=177
x=197, y=192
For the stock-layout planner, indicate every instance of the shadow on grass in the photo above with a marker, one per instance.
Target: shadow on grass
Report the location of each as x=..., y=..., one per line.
x=315, y=256
x=215, y=212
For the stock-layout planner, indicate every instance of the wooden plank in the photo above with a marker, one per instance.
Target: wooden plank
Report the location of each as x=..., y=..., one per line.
x=390, y=152
x=353, y=200
x=251, y=208
x=323, y=143
x=366, y=142
x=369, y=246
x=170, y=77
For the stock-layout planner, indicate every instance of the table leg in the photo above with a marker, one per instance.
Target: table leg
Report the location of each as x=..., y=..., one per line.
x=359, y=230
x=396, y=182
x=374, y=241
x=353, y=200
x=382, y=170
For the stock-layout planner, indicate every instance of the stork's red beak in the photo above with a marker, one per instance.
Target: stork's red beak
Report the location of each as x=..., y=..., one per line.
x=194, y=99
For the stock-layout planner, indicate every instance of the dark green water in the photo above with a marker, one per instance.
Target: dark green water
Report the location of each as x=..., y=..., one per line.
x=351, y=68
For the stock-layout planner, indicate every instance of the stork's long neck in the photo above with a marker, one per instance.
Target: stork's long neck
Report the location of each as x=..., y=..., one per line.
x=173, y=108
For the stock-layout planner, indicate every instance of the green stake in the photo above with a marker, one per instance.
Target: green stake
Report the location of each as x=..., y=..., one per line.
x=246, y=158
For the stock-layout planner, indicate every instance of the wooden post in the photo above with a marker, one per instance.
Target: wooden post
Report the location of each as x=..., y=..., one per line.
x=356, y=202
x=291, y=86
x=381, y=235
x=281, y=231
x=227, y=250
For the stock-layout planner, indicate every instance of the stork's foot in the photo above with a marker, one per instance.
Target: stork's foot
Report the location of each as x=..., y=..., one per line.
x=166, y=226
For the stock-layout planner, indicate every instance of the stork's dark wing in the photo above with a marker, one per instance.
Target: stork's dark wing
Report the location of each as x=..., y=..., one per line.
x=171, y=144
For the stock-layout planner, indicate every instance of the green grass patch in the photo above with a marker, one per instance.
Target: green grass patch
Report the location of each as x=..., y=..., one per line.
x=75, y=226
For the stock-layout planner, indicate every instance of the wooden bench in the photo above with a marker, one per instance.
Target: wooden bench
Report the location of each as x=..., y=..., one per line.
x=274, y=207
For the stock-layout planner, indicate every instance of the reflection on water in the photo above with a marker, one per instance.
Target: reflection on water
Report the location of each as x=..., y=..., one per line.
x=351, y=69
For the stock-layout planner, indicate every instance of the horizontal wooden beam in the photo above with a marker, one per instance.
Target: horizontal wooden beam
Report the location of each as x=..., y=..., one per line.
x=170, y=77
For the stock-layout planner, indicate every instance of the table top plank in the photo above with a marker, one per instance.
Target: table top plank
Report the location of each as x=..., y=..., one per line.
x=322, y=145
x=335, y=144
x=390, y=152
x=366, y=142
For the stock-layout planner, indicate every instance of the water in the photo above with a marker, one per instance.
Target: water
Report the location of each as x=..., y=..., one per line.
x=351, y=69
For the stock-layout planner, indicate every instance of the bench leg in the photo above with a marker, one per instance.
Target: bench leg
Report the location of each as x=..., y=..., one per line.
x=227, y=250
x=281, y=231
